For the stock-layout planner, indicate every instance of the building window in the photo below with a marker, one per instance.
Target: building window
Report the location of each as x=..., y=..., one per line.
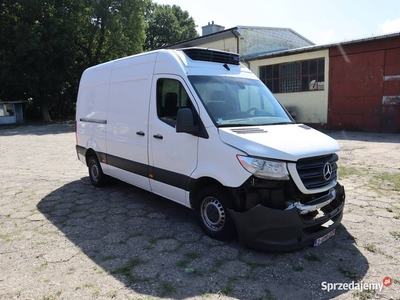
x=6, y=110
x=298, y=76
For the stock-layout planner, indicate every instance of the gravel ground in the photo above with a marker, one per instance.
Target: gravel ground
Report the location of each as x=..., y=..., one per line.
x=61, y=238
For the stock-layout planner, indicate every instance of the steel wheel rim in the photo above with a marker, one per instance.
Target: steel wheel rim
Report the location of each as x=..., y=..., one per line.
x=94, y=172
x=213, y=214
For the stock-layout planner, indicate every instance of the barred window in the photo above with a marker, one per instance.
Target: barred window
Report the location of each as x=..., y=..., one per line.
x=298, y=76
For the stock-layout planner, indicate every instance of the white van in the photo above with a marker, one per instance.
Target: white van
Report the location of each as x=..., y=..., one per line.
x=197, y=127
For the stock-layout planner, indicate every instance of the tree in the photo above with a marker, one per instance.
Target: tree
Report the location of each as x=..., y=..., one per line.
x=115, y=29
x=167, y=25
x=37, y=50
x=48, y=44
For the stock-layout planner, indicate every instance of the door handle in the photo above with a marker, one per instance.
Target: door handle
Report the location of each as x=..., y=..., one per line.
x=158, y=136
x=141, y=133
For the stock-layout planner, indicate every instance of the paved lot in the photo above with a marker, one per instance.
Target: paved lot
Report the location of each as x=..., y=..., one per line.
x=61, y=238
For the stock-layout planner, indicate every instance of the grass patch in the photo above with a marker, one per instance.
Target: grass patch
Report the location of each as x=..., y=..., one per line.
x=254, y=265
x=127, y=268
x=269, y=295
x=365, y=294
x=312, y=257
x=217, y=264
x=298, y=268
x=182, y=263
x=84, y=286
x=349, y=171
x=192, y=255
x=167, y=288
x=396, y=234
x=109, y=257
x=112, y=294
x=226, y=291
x=71, y=271
x=6, y=238
x=52, y=297
x=371, y=248
x=152, y=240
x=348, y=273
x=389, y=181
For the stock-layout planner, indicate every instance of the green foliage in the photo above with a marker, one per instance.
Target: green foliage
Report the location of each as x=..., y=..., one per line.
x=167, y=25
x=47, y=45
x=38, y=51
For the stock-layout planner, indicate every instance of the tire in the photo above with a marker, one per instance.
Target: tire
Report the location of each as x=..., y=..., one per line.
x=212, y=214
x=96, y=174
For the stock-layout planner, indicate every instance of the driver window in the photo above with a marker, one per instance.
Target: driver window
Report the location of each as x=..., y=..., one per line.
x=170, y=97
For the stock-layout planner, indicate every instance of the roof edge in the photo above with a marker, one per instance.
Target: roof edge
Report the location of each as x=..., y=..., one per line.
x=320, y=47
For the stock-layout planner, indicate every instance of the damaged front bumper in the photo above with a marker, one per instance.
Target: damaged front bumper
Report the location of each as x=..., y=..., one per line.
x=298, y=226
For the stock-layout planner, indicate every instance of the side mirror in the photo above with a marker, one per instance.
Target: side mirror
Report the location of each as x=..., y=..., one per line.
x=185, y=121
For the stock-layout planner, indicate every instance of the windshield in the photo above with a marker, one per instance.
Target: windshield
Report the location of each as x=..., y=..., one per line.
x=232, y=101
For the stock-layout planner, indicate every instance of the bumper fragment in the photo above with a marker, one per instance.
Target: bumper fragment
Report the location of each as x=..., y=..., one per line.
x=276, y=230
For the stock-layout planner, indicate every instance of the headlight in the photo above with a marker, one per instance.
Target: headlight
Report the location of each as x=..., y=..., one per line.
x=264, y=168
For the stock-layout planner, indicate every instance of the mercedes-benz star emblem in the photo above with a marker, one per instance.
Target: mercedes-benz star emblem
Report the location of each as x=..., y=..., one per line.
x=327, y=171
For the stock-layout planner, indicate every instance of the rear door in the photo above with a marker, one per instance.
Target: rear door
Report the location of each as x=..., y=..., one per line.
x=172, y=155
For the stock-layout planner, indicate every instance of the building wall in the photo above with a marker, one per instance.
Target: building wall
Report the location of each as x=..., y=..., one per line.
x=257, y=40
x=229, y=44
x=310, y=107
x=365, y=86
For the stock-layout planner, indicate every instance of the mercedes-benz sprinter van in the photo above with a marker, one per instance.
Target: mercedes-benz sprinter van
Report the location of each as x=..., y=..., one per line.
x=197, y=127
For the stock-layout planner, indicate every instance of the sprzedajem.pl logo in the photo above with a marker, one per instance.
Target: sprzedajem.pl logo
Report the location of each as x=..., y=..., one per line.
x=356, y=286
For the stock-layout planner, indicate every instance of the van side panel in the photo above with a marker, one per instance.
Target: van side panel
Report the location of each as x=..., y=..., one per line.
x=127, y=125
x=218, y=161
x=91, y=116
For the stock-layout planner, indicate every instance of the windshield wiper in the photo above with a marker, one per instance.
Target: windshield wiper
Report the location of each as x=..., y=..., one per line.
x=278, y=123
x=237, y=125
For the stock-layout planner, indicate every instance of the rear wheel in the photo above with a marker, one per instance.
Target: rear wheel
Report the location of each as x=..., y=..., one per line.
x=96, y=174
x=211, y=209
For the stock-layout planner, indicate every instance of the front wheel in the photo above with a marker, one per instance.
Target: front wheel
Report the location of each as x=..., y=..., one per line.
x=96, y=174
x=211, y=209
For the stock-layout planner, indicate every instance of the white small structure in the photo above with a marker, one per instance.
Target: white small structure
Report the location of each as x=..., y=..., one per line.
x=11, y=112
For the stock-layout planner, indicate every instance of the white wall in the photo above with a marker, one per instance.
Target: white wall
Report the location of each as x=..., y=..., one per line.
x=311, y=107
x=229, y=44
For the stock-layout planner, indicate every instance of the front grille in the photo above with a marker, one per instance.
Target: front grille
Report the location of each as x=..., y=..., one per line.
x=311, y=170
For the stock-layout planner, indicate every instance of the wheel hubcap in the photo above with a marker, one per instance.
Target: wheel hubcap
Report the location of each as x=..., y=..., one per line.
x=95, y=172
x=213, y=214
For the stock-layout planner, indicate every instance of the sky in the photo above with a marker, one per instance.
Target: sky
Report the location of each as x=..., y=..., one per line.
x=321, y=21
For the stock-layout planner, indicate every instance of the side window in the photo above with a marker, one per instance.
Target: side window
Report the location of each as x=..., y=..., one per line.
x=171, y=96
x=6, y=110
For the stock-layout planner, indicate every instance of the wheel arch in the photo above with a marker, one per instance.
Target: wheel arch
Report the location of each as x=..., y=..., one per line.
x=201, y=183
x=90, y=152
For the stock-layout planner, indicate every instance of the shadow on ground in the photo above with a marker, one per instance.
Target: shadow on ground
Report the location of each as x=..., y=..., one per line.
x=154, y=247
